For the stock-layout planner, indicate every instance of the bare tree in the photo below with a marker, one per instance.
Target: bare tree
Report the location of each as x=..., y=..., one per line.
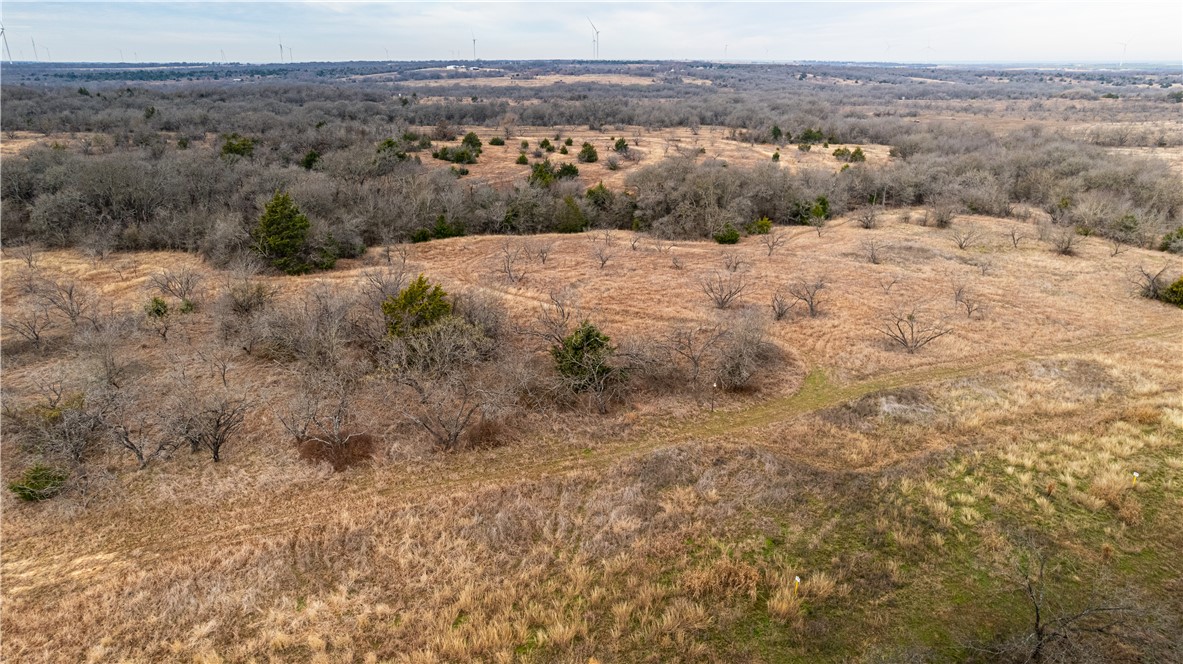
x=676, y=262
x=509, y=261
x=1064, y=241
x=871, y=250
x=634, y=241
x=1117, y=246
x=1151, y=284
x=211, y=422
x=31, y=322
x=602, y=252
x=136, y=429
x=540, y=249
x=321, y=413
x=1016, y=236
x=887, y=283
x=695, y=345
x=28, y=254
x=732, y=261
x=781, y=305
x=183, y=284
x=809, y=291
x=968, y=301
x=72, y=299
x=868, y=217
x=912, y=328
x=722, y=287
x=966, y=237
x=774, y=240
x=445, y=406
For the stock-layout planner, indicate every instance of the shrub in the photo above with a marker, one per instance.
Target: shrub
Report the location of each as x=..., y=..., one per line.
x=496, y=140
x=546, y=145
x=857, y=155
x=761, y=226
x=38, y=483
x=563, y=150
x=600, y=196
x=567, y=171
x=1173, y=241
x=310, y=160
x=587, y=154
x=282, y=235
x=583, y=358
x=805, y=147
x=776, y=156
x=727, y=235
x=460, y=155
x=842, y=154
x=187, y=306
x=621, y=145
x=613, y=163
x=472, y=142
x=523, y=160
x=238, y=145
x=418, y=305
x=525, y=145
x=1173, y=294
x=542, y=174
x=440, y=231
x=156, y=308
x=569, y=142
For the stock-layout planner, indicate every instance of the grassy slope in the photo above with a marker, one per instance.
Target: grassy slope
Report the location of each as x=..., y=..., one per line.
x=676, y=537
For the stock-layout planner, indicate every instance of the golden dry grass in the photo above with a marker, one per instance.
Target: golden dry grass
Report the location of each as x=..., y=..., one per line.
x=654, y=532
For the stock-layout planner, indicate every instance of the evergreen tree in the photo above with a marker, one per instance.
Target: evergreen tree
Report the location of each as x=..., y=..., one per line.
x=282, y=235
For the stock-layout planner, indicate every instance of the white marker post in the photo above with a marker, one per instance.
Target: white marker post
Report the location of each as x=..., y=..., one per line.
x=796, y=584
x=1135, y=482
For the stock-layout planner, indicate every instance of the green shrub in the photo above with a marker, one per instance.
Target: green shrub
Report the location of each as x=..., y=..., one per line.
x=1173, y=241
x=776, y=156
x=496, y=140
x=310, y=160
x=1173, y=294
x=417, y=306
x=282, y=235
x=183, y=143
x=563, y=150
x=857, y=155
x=621, y=145
x=156, y=308
x=525, y=145
x=460, y=155
x=546, y=145
x=187, y=306
x=728, y=235
x=805, y=147
x=569, y=142
x=588, y=154
x=583, y=358
x=522, y=159
x=570, y=218
x=38, y=483
x=440, y=231
x=567, y=170
x=459, y=171
x=472, y=142
x=238, y=145
x=761, y=226
x=542, y=174
x=600, y=196
x=842, y=154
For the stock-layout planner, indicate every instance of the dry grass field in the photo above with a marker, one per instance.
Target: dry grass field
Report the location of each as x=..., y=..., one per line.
x=898, y=487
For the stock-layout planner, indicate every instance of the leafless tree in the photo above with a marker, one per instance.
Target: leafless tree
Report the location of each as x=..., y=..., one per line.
x=809, y=291
x=1151, y=284
x=781, y=305
x=509, y=261
x=555, y=318
x=320, y=414
x=722, y=287
x=1117, y=246
x=871, y=250
x=695, y=345
x=445, y=407
x=745, y=350
x=634, y=241
x=31, y=322
x=912, y=328
x=732, y=261
x=1064, y=241
x=887, y=283
x=819, y=225
x=602, y=252
x=1016, y=235
x=28, y=254
x=73, y=300
x=868, y=217
x=210, y=422
x=183, y=284
x=676, y=262
x=136, y=429
x=540, y=249
x=966, y=237
x=774, y=240
x=969, y=301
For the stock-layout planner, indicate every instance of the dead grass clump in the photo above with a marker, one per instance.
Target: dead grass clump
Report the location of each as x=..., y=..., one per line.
x=1142, y=415
x=1110, y=486
x=724, y=577
x=785, y=607
x=354, y=450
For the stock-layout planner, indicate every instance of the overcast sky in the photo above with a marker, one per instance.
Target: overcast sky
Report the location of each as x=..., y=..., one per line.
x=862, y=31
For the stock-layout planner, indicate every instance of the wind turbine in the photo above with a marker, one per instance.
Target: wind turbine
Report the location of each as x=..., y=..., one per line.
x=6, y=49
x=1124, y=46
x=595, y=38
x=223, y=52
x=290, y=61
x=35, y=58
x=387, y=52
x=281, y=49
x=474, y=46
x=120, y=54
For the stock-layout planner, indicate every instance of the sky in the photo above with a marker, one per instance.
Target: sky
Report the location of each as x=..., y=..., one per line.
x=321, y=30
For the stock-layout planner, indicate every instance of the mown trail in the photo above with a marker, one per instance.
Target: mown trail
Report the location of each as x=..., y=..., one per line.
x=163, y=537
